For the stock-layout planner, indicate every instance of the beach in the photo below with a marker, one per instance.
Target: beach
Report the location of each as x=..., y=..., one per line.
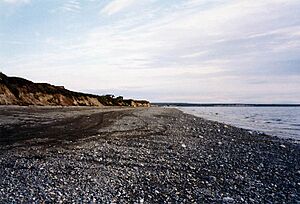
x=139, y=155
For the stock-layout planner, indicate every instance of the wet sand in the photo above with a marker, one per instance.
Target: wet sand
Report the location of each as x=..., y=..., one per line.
x=144, y=155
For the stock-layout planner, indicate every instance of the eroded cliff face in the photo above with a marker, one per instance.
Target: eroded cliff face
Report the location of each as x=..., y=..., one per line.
x=18, y=91
x=6, y=96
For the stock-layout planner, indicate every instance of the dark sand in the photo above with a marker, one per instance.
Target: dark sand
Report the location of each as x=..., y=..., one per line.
x=145, y=155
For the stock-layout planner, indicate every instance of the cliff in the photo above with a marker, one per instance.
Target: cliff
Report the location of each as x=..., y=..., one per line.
x=19, y=91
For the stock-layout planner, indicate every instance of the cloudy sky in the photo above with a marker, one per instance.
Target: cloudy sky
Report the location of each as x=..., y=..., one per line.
x=162, y=50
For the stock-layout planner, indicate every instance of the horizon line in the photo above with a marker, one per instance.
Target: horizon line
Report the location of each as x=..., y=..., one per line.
x=224, y=104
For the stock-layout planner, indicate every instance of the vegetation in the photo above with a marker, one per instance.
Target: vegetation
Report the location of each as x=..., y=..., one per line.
x=19, y=91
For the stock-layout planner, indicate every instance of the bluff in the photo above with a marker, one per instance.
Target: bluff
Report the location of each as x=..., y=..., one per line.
x=19, y=91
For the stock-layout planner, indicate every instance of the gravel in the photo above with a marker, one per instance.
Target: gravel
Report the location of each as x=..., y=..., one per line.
x=145, y=155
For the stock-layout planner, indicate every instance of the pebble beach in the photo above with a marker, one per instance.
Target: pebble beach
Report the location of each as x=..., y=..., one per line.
x=139, y=155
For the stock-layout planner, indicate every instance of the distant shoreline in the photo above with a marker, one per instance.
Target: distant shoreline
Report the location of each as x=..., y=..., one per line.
x=224, y=105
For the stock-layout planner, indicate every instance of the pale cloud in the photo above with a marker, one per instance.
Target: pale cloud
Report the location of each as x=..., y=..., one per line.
x=116, y=6
x=16, y=1
x=72, y=6
x=188, y=33
x=232, y=51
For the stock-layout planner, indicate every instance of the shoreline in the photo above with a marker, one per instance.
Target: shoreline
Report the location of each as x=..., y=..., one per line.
x=264, y=124
x=141, y=155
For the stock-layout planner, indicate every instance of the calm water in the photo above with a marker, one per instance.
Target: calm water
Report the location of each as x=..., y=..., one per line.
x=278, y=121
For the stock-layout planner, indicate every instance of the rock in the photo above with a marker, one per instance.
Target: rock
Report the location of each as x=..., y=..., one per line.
x=148, y=162
x=212, y=178
x=228, y=200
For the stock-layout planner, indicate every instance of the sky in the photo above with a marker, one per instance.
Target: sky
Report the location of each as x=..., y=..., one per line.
x=206, y=51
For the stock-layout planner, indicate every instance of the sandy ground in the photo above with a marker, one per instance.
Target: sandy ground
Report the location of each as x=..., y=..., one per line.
x=144, y=155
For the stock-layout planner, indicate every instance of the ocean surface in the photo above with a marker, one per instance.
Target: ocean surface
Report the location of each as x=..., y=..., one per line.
x=278, y=121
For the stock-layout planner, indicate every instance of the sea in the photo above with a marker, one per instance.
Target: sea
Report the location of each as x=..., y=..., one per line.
x=283, y=122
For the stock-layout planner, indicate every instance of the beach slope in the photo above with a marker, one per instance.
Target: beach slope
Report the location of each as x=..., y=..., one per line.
x=143, y=155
